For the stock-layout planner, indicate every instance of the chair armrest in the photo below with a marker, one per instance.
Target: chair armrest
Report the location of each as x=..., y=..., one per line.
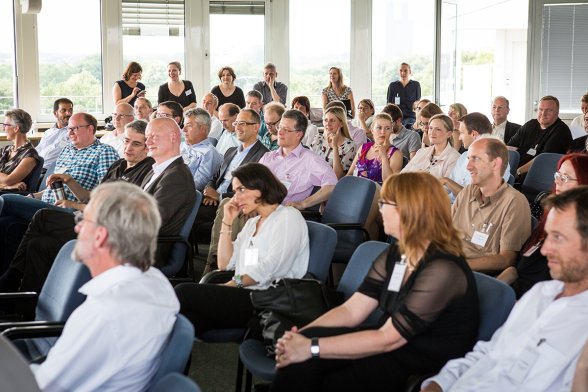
x=350, y=226
x=217, y=276
x=18, y=324
x=312, y=215
x=50, y=329
x=24, y=296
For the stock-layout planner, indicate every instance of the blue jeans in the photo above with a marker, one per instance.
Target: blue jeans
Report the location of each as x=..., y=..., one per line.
x=19, y=206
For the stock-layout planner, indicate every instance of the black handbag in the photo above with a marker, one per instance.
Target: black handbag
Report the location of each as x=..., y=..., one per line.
x=290, y=302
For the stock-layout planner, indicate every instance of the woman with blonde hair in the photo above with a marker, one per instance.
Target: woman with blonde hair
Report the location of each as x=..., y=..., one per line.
x=455, y=112
x=335, y=144
x=424, y=287
x=440, y=157
x=336, y=90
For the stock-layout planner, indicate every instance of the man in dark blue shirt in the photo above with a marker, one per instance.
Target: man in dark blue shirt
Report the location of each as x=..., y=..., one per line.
x=403, y=93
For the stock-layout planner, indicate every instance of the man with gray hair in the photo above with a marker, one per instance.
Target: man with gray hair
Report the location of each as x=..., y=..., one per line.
x=123, y=114
x=199, y=154
x=117, y=238
x=210, y=104
x=271, y=90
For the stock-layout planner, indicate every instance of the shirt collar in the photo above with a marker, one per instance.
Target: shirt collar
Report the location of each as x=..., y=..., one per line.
x=110, y=278
x=158, y=168
x=484, y=201
x=295, y=152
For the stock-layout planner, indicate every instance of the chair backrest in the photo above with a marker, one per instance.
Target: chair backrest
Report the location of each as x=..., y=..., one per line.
x=15, y=372
x=48, y=172
x=177, y=350
x=513, y=160
x=496, y=300
x=213, y=141
x=540, y=175
x=322, y=243
x=59, y=296
x=177, y=255
x=34, y=176
x=176, y=382
x=359, y=265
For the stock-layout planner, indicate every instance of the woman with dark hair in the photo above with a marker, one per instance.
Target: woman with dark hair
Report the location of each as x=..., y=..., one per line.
x=176, y=89
x=18, y=160
x=226, y=91
x=302, y=104
x=129, y=88
x=422, y=284
x=272, y=245
x=572, y=171
x=365, y=116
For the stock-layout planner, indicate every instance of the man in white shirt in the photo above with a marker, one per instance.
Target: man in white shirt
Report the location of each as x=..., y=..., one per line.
x=501, y=127
x=143, y=109
x=539, y=344
x=114, y=340
x=56, y=137
x=123, y=114
x=210, y=104
x=227, y=115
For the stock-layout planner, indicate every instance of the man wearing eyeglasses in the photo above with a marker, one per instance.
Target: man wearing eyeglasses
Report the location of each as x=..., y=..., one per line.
x=272, y=112
x=85, y=159
x=170, y=109
x=123, y=114
x=55, y=138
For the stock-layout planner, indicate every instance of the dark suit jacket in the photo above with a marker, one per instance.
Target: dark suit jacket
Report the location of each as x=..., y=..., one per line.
x=175, y=193
x=510, y=130
x=254, y=155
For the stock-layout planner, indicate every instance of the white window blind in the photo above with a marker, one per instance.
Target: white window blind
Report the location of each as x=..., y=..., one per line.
x=564, y=53
x=237, y=7
x=153, y=17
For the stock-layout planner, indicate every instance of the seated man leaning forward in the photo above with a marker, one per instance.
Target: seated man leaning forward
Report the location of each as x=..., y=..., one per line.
x=539, y=344
x=125, y=292
x=494, y=218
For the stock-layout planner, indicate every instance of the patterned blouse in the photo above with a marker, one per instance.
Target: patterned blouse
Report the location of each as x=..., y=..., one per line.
x=321, y=147
x=332, y=95
x=7, y=164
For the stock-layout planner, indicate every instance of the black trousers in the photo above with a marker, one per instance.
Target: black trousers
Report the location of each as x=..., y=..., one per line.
x=212, y=306
x=382, y=372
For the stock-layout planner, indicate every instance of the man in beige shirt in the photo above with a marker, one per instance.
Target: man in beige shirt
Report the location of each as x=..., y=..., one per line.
x=495, y=219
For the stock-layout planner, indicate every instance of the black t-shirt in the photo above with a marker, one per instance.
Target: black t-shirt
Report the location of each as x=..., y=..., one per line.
x=556, y=138
x=186, y=97
x=436, y=310
x=238, y=98
x=119, y=171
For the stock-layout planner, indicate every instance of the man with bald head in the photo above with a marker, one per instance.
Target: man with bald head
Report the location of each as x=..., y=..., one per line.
x=501, y=127
x=169, y=181
x=123, y=114
x=210, y=104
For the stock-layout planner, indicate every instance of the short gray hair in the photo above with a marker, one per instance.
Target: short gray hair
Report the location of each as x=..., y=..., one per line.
x=201, y=115
x=131, y=217
x=138, y=126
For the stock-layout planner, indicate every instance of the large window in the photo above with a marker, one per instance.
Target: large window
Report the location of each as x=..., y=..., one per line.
x=69, y=54
x=153, y=35
x=7, y=96
x=483, y=47
x=237, y=36
x=320, y=38
x=403, y=32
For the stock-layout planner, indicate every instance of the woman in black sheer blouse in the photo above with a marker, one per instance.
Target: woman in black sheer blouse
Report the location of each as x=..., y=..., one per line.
x=429, y=316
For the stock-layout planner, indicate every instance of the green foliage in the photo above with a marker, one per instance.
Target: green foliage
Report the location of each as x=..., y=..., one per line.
x=476, y=58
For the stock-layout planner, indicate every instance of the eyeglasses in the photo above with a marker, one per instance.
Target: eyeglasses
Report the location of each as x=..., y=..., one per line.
x=75, y=129
x=79, y=217
x=4, y=125
x=243, y=123
x=272, y=124
x=564, y=178
x=382, y=203
x=161, y=115
x=284, y=129
x=119, y=115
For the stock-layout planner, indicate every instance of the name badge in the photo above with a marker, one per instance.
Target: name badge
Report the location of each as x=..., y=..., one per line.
x=397, y=100
x=532, y=152
x=60, y=170
x=251, y=256
x=188, y=92
x=397, y=275
x=532, y=250
x=479, y=238
x=526, y=360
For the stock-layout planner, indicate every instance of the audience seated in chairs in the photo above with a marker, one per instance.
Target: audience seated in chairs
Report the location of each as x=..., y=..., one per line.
x=123, y=114
x=17, y=160
x=493, y=217
x=425, y=288
x=55, y=138
x=531, y=267
x=406, y=140
x=539, y=344
x=358, y=134
x=114, y=339
x=272, y=245
x=424, y=116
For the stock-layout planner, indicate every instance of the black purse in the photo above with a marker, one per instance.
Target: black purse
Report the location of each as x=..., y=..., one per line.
x=290, y=302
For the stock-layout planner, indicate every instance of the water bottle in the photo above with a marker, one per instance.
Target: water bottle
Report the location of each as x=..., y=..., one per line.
x=57, y=187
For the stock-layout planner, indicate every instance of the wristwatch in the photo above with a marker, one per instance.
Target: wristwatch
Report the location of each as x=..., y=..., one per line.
x=315, y=349
x=237, y=279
